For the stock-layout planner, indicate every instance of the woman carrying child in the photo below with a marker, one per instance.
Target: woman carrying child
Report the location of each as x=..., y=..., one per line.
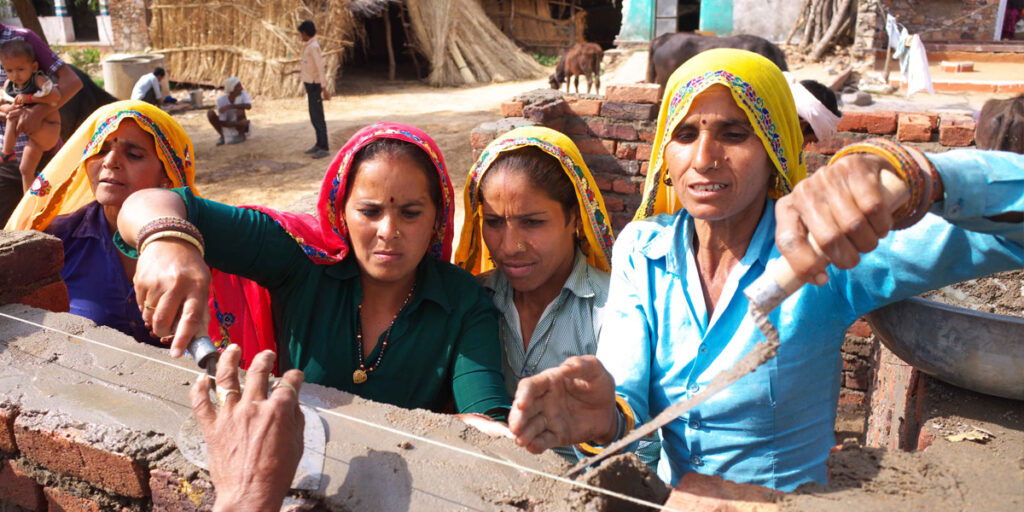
x=27, y=84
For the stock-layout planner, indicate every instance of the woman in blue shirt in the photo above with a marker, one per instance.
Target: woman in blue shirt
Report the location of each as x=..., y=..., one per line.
x=717, y=207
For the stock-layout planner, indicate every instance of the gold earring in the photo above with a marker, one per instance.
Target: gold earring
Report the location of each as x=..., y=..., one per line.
x=668, y=179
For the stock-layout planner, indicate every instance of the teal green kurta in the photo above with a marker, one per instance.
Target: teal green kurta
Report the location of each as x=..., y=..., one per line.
x=443, y=346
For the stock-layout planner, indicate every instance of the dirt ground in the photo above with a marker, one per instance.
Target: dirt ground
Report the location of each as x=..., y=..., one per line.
x=271, y=169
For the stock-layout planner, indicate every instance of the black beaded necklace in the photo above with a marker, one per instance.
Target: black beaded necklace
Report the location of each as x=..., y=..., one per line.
x=362, y=373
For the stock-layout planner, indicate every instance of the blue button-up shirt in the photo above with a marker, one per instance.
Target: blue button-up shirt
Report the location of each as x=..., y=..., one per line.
x=774, y=427
x=97, y=285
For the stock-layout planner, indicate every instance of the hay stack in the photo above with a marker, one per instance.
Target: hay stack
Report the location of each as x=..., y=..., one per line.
x=464, y=46
x=254, y=40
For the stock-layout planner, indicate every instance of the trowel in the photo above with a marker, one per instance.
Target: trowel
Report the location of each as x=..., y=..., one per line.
x=766, y=292
x=192, y=445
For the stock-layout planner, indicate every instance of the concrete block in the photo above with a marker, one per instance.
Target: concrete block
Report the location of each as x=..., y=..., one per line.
x=914, y=128
x=705, y=493
x=512, y=109
x=582, y=106
x=65, y=446
x=956, y=130
x=18, y=488
x=173, y=493
x=633, y=93
x=629, y=111
x=877, y=122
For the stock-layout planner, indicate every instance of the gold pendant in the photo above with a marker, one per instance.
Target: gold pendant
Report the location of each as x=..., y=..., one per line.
x=359, y=376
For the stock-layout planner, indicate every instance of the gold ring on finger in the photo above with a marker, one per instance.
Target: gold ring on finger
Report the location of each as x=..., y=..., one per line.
x=222, y=393
x=147, y=306
x=287, y=385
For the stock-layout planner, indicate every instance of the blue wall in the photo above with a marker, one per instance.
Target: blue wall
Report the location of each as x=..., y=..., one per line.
x=637, y=21
x=716, y=16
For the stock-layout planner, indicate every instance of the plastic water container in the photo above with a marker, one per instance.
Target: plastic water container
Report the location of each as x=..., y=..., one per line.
x=196, y=96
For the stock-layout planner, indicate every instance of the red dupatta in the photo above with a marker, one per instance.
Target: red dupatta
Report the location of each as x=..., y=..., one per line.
x=241, y=307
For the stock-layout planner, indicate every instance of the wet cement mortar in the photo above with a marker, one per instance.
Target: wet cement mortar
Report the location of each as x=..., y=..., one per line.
x=136, y=407
x=1002, y=294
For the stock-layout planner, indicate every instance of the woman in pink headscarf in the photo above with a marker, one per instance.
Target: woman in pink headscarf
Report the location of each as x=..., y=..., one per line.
x=362, y=296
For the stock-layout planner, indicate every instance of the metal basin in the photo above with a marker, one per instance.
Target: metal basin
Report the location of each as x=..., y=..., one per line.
x=979, y=351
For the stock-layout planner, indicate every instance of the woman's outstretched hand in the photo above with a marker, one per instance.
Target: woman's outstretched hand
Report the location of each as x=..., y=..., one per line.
x=254, y=442
x=172, y=281
x=841, y=207
x=568, y=404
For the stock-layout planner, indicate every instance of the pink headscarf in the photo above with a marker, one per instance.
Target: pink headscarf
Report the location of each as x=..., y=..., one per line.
x=324, y=238
x=241, y=308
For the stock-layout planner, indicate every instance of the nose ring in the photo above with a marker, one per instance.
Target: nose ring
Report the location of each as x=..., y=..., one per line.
x=716, y=165
x=520, y=246
x=398, y=234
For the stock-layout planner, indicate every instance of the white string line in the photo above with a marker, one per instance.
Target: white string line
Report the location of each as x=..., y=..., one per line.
x=385, y=428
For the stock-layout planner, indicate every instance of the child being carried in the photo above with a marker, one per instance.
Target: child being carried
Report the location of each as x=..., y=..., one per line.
x=26, y=85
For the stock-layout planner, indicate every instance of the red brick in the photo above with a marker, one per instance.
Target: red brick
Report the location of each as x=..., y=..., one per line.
x=51, y=297
x=172, y=493
x=956, y=131
x=65, y=450
x=608, y=164
x=609, y=145
x=925, y=438
x=625, y=151
x=604, y=183
x=859, y=328
x=851, y=397
x=575, y=126
x=832, y=145
x=877, y=122
x=629, y=111
x=19, y=488
x=643, y=168
x=643, y=152
x=705, y=493
x=1010, y=88
x=545, y=112
x=624, y=186
x=914, y=128
x=512, y=109
x=28, y=260
x=480, y=140
x=856, y=382
x=613, y=204
x=557, y=124
x=63, y=501
x=608, y=130
x=7, y=442
x=591, y=146
x=633, y=93
x=646, y=135
x=892, y=423
x=582, y=106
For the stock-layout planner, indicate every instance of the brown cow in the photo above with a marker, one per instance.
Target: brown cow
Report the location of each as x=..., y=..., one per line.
x=579, y=59
x=1001, y=125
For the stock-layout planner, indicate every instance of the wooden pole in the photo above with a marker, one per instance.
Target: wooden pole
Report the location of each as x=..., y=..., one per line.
x=29, y=19
x=387, y=37
x=572, y=24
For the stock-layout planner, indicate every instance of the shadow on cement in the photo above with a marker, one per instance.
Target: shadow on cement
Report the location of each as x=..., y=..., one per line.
x=379, y=479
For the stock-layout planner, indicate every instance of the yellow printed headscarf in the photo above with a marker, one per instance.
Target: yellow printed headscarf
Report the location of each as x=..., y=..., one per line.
x=472, y=253
x=63, y=186
x=759, y=88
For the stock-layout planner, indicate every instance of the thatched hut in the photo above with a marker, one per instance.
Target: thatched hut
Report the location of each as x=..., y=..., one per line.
x=257, y=41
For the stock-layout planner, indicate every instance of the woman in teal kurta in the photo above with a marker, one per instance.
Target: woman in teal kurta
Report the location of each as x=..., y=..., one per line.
x=434, y=325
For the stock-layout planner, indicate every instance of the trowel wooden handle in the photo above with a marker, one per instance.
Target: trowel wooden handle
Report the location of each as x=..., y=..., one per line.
x=780, y=281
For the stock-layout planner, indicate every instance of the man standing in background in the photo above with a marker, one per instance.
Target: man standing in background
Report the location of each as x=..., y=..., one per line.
x=315, y=81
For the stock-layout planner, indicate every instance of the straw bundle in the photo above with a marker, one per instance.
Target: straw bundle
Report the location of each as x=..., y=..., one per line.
x=255, y=40
x=464, y=46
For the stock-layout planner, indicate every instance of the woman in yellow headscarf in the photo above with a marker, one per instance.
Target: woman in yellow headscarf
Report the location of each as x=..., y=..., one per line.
x=123, y=147
x=727, y=146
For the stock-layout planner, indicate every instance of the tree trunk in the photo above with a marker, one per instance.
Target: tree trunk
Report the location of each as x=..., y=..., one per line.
x=29, y=19
x=391, y=50
x=833, y=29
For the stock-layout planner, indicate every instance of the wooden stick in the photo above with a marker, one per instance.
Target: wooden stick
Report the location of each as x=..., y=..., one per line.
x=387, y=36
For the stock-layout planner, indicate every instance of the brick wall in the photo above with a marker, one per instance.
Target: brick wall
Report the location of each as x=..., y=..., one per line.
x=30, y=264
x=935, y=20
x=129, y=21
